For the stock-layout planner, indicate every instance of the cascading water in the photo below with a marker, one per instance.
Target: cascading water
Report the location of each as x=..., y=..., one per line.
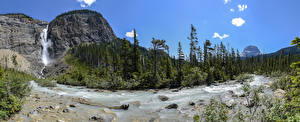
x=149, y=104
x=46, y=44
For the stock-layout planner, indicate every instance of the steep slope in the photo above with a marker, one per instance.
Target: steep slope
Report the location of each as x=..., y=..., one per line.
x=250, y=51
x=75, y=27
x=21, y=33
x=292, y=50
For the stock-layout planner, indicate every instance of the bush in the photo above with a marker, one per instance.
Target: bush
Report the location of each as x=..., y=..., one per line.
x=244, y=77
x=194, y=77
x=216, y=112
x=282, y=83
x=45, y=83
x=9, y=105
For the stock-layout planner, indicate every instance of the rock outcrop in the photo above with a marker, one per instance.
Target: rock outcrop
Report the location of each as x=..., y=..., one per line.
x=251, y=51
x=75, y=27
x=21, y=33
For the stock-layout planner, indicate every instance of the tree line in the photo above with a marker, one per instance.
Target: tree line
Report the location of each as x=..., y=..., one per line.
x=132, y=67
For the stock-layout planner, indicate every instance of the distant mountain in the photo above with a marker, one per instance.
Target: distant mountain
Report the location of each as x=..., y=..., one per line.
x=294, y=50
x=250, y=51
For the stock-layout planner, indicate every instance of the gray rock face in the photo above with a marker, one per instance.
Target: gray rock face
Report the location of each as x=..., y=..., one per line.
x=75, y=27
x=21, y=34
x=250, y=51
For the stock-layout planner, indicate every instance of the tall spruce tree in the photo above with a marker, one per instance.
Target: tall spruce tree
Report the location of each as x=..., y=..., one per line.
x=157, y=45
x=125, y=59
x=193, y=43
x=136, y=60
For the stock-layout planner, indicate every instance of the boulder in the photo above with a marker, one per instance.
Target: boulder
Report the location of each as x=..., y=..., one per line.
x=230, y=103
x=172, y=106
x=96, y=118
x=123, y=107
x=66, y=110
x=175, y=90
x=279, y=93
x=191, y=103
x=163, y=98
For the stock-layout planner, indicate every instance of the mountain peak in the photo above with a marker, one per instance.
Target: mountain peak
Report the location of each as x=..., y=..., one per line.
x=250, y=51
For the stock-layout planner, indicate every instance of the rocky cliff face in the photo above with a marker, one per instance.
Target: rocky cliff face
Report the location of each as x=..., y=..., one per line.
x=250, y=51
x=21, y=34
x=75, y=27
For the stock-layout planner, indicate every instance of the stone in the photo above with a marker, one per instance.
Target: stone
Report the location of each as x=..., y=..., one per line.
x=191, y=103
x=66, y=110
x=96, y=118
x=172, y=106
x=72, y=105
x=175, y=90
x=231, y=103
x=279, y=93
x=163, y=98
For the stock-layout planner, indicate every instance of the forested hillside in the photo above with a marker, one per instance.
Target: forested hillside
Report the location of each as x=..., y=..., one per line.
x=121, y=65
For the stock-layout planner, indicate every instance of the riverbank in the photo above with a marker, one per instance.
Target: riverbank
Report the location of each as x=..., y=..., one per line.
x=69, y=103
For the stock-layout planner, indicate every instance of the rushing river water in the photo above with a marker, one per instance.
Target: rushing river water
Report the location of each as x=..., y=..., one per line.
x=150, y=106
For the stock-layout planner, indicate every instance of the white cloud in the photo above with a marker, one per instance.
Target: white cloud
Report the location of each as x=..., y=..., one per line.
x=226, y=1
x=130, y=34
x=232, y=10
x=86, y=3
x=217, y=35
x=238, y=22
x=242, y=7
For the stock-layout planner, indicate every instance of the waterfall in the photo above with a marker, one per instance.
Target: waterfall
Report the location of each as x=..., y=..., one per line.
x=46, y=44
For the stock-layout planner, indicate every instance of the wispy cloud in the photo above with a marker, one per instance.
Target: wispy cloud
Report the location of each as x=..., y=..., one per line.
x=130, y=34
x=232, y=10
x=242, y=7
x=217, y=35
x=226, y=1
x=86, y=3
x=238, y=21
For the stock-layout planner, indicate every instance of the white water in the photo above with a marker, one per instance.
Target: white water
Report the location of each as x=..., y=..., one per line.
x=151, y=106
x=46, y=44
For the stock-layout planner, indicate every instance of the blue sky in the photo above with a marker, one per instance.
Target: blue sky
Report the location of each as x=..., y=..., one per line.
x=268, y=24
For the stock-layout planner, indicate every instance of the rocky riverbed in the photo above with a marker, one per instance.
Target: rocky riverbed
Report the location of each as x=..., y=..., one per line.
x=68, y=104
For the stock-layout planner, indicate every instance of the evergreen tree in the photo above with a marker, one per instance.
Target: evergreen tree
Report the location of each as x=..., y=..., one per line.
x=193, y=43
x=107, y=59
x=179, y=76
x=136, y=61
x=125, y=59
x=157, y=45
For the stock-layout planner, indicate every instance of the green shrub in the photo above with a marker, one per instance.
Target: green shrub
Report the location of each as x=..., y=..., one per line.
x=194, y=77
x=244, y=77
x=216, y=111
x=9, y=105
x=45, y=82
x=281, y=83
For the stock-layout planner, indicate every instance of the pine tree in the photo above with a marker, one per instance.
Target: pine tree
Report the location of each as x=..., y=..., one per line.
x=193, y=43
x=179, y=76
x=157, y=45
x=107, y=59
x=125, y=59
x=136, y=61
